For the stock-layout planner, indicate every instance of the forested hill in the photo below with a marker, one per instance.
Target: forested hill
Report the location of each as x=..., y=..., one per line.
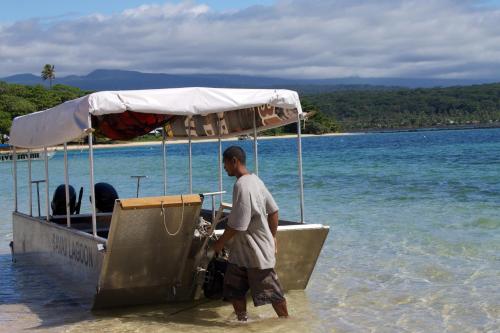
x=411, y=108
x=340, y=110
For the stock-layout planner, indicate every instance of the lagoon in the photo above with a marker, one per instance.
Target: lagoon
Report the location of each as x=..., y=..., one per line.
x=414, y=243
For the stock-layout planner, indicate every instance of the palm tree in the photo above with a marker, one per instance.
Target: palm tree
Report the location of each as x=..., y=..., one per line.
x=49, y=73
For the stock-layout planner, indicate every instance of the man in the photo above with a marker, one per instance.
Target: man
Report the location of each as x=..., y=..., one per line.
x=251, y=227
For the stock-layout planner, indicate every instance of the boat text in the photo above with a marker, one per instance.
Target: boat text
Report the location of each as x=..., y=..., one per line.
x=74, y=250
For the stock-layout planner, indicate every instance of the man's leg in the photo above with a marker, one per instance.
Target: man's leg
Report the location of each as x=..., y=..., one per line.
x=281, y=309
x=240, y=307
x=235, y=289
x=266, y=289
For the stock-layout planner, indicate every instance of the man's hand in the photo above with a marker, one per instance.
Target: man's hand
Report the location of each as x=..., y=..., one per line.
x=218, y=246
x=275, y=245
x=226, y=236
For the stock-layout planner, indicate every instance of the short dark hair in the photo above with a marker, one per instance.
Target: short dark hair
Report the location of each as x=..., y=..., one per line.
x=236, y=152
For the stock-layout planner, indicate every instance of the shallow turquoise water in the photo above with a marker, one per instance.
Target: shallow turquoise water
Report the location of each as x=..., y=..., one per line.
x=414, y=243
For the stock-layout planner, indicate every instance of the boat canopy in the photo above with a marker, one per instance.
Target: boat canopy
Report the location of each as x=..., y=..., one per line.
x=194, y=113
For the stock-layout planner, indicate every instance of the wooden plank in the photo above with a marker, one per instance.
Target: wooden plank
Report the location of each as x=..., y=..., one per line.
x=157, y=202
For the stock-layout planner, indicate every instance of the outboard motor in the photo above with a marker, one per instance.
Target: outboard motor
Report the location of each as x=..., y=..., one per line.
x=58, y=203
x=214, y=278
x=105, y=196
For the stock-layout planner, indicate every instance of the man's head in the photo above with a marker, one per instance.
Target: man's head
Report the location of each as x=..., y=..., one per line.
x=234, y=159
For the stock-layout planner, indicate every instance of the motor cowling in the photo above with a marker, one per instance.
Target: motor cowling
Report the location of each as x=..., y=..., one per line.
x=58, y=203
x=105, y=197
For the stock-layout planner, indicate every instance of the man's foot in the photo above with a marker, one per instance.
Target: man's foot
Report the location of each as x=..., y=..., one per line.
x=240, y=308
x=242, y=316
x=281, y=309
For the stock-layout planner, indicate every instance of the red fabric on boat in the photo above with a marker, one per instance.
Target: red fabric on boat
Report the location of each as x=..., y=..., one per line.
x=128, y=125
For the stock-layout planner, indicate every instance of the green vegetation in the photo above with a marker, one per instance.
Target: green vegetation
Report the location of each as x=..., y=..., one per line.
x=49, y=73
x=328, y=112
x=411, y=108
x=17, y=100
x=317, y=122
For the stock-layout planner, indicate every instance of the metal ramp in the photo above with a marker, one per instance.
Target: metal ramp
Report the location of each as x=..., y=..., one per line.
x=149, y=243
x=299, y=247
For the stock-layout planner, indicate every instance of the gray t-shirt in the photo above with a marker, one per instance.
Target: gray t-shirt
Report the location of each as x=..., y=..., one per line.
x=253, y=245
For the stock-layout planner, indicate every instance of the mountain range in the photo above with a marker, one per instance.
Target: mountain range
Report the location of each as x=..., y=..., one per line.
x=105, y=79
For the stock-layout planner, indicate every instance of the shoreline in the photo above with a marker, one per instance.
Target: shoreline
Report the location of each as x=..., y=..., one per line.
x=157, y=143
x=286, y=136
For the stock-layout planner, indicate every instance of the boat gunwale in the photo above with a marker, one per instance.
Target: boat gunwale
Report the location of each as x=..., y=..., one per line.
x=61, y=227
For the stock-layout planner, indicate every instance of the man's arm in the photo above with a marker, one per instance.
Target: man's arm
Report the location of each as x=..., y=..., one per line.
x=272, y=220
x=238, y=219
x=226, y=236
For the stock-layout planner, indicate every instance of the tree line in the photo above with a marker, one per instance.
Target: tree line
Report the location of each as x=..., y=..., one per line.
x=17, y=100
x=345, y=110
x=410, y=108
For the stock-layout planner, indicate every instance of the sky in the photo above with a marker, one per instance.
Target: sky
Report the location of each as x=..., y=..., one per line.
x=280, y=38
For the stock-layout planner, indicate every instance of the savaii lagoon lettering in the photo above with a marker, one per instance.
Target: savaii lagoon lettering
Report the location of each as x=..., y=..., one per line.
x=20, y=156
x=74, y=250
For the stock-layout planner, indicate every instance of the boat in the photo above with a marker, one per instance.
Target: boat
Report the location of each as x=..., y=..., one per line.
x=6, y=154
x=148, y=250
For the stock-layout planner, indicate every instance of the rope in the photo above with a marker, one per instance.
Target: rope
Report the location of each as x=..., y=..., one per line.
x=162, y=212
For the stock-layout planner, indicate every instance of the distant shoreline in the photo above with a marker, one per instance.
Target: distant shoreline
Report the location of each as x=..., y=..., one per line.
x=429, y=129
x=286, y=136
x=157, y=143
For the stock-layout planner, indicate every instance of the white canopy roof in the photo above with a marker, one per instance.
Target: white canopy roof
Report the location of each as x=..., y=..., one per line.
x=70, y=120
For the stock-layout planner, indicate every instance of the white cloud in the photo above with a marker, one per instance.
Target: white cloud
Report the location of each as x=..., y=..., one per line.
x=294, y=38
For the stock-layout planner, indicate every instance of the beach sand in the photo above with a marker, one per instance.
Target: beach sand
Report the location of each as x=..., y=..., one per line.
x=170, y=142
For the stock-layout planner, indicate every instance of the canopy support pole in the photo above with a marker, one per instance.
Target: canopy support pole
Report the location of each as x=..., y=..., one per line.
x=14, y=162
x=255, y=152
x=37, y=182
x=219, y=130
x=91, y=169
x=66, y=185
x=47, y=206
x=190, y=158
x=30, y=185
x=164, y=153
x=301, y=177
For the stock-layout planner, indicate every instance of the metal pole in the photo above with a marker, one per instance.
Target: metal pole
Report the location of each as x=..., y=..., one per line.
x=66, y=185
x=255, y=153
x=213, y=208
x=138, y=186
x=30, y=185
x=14, y=162
x=38, y=196
x=220, y=156
x=47, y=206
x=138, y=183
x=92, y=189
x=190, y=159
x=164, y=150
x=301, y=178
